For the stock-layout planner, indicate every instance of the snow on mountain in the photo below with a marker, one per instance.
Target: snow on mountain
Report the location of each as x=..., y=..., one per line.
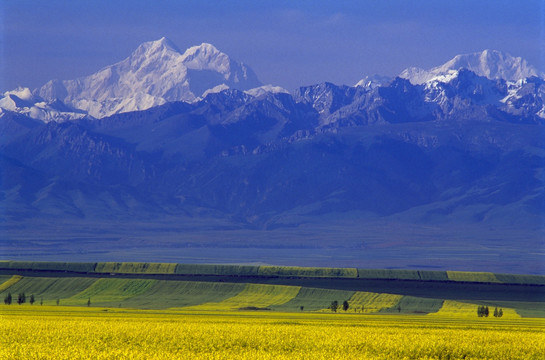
x=373, y=81
x=258, y=91
x=492, y=64
x=22, y=101
x=525, y=97
x=155, y=73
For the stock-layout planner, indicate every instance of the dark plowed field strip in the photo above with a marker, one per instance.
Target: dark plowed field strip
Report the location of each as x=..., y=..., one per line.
x=432, y=289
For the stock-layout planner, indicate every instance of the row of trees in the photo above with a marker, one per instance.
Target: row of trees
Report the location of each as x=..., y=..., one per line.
x=483, y=311
x=21, y=299
x=335, y=306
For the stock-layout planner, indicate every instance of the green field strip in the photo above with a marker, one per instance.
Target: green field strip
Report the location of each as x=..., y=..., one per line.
x=308, y=271
x=372, y=302
x=388, y=274
x=415, y=305
x=49, y=289
x=313, y=299
x=433, y=275
x=7, y=281
x=253, y=295
x=135, y=268
x=454, y=308
x=247, y=270
x=521, y=279
x=107, y=291
x=472, y=276
x=175, y=294
x=531, y=310
x=402, y=274
x=205, y=269
x=48, y=265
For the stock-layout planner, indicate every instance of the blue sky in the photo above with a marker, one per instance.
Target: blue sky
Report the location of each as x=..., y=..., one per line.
x=287, y=43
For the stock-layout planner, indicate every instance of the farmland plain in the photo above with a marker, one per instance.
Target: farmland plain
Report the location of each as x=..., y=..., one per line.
x=165, y=311
x=59, y=332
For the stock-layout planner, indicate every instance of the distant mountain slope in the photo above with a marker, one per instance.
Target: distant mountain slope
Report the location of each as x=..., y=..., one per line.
x=444, y=148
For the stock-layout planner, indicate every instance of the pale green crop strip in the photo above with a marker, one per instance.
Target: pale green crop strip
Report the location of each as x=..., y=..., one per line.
x=110, y=290
x=372, y=302
x=253, y=295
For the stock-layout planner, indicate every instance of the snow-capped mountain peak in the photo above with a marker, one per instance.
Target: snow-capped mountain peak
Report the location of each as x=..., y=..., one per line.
x=155, y=73
x=207, y=57
x=204, y=55
x=373, y=81
x=152, y=51
x=22, y=101
x=157, y=46
x=492, y=64
x=22, y=93
x=266, y=89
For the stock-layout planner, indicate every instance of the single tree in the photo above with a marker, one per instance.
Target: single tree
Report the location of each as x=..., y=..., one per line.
x=89, y=302
x=7, y=299
x=41, y=301
x=334, y=306
x=31, y=300
x=496, y=312
x=58, y=301
x=345, y=305
x=500, y=312
x=302, y=308
x=486, y=311
x=21, y=299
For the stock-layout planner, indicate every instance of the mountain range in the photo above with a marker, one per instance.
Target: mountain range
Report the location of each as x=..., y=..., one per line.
x=178, y=152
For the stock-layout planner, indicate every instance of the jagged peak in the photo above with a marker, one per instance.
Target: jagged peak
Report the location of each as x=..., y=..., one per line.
x=203, y=52
x=204, y=49
x=206, y=57
x=373, y=81
x=162, y=43
x=154, y=49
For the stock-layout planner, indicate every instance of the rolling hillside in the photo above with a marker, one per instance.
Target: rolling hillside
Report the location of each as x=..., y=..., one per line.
x=212, y=288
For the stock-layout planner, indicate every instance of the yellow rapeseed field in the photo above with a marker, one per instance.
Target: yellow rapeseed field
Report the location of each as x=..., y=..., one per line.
x=462, y=309
x=57, y=332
